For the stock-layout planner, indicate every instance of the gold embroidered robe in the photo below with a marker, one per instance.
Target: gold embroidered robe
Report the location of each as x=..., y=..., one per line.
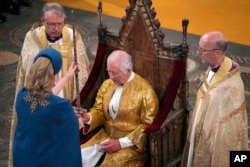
x=137, y=109
x=222, y=122
x=35, y=40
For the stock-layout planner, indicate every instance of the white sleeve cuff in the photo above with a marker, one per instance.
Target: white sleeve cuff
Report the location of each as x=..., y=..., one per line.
x=125, y=142
x=90, y=120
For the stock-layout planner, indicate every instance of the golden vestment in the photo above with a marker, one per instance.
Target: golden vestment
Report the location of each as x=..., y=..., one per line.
x=137, y=109
x=36, y=40
x=221, y=124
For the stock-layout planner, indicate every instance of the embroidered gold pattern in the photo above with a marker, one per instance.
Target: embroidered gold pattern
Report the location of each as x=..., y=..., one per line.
x=35, y=101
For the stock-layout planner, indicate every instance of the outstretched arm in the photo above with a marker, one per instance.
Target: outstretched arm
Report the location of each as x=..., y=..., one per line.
x=61, y=83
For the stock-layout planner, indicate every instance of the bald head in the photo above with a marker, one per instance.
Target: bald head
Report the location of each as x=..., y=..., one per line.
x=215, y=39
x=212, y=47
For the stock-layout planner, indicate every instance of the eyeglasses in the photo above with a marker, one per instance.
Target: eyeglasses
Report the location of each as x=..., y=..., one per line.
x=201, y=50
x=54, y=25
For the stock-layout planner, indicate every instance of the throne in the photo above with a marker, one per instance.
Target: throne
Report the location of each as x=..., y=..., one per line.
x=164, y=67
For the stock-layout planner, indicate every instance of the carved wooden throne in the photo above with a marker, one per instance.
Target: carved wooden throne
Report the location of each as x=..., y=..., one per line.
x=164, y=67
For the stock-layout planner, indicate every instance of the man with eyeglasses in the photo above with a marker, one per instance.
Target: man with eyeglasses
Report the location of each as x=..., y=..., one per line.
x=219, y=119
x=53, y=33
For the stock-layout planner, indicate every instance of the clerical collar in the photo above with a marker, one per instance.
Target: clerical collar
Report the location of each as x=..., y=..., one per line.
x=215, y=69
x=53, y=39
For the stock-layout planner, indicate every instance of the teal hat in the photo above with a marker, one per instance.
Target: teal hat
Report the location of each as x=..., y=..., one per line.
x=54, y=56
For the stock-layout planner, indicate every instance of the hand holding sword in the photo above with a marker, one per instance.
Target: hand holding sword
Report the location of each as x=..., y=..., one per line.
x=78, y=102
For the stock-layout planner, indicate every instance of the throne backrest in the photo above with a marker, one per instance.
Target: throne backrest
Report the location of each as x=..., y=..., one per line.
x=141, y=37
x=164, y=67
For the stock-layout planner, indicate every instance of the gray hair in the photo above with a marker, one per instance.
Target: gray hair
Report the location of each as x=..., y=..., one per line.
x=222, y=44
x=53, y=6
x=123, y=59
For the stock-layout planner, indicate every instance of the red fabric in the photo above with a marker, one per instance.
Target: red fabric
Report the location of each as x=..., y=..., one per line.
x=101, y=50
x=169, y=98
x=85, y=128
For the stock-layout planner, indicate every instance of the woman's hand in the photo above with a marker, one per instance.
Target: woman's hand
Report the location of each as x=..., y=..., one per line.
x=69, y=75
x=73, y=68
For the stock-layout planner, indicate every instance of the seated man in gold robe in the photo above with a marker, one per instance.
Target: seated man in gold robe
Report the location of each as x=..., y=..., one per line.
x=125, y=106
